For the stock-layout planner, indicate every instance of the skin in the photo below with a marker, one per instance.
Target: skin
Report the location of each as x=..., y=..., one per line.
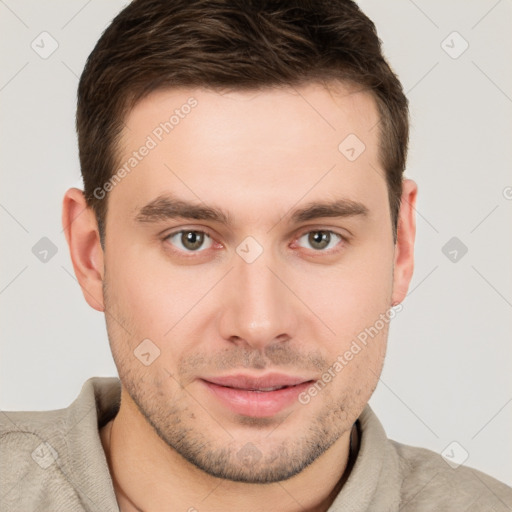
x=258, y=156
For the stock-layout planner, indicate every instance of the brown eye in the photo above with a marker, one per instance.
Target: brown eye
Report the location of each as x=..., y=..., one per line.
x=190, y=241
x=320, y=240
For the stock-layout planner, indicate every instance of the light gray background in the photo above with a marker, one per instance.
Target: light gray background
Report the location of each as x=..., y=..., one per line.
x=448, y=373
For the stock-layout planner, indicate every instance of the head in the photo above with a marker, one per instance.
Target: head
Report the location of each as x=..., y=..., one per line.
x=243, y=217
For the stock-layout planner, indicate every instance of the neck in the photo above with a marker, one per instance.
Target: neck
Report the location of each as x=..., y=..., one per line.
x=148, y=475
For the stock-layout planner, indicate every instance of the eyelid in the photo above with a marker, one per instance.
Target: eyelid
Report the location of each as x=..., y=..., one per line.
x=174, y=231
x=186, y=229
x=343, y=233
x=344, y=239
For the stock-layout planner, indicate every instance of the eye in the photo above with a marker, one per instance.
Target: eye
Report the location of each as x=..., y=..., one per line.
x=320, y=240
x=190, y=241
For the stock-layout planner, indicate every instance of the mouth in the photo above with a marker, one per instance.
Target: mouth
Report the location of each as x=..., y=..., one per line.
x=257, y=397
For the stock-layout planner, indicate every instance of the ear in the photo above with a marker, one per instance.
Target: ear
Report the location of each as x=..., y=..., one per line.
x=404, y=246
x=81, y=230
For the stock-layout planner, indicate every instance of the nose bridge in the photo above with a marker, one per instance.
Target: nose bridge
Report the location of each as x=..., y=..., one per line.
x=258, y=288
x=258, y=310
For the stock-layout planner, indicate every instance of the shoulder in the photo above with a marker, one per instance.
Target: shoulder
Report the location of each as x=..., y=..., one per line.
x=429, y=482
x=33, y=461
x=46, y=456
x=395, y=476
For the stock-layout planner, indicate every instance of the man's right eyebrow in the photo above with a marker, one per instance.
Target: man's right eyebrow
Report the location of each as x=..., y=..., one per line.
x=166, y=207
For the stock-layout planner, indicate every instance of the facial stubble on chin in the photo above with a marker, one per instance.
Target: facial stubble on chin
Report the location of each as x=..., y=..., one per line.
x=231, y=458
x=240, y=459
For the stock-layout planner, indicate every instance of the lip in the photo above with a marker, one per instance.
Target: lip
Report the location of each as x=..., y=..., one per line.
x=253, y=396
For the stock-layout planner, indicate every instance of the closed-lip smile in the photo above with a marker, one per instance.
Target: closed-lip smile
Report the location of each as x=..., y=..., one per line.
x=257, y=396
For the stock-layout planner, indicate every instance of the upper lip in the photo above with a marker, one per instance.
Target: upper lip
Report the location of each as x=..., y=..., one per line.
x=248, y=382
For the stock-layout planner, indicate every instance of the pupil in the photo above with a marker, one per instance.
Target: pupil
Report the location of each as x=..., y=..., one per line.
x=319, y=239
x=192, y=239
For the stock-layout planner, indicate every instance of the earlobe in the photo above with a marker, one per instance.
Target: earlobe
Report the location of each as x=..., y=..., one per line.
x=404, y=247
x=81, y=230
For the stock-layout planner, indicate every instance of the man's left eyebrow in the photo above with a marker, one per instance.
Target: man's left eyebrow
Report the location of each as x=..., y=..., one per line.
x=338, y=208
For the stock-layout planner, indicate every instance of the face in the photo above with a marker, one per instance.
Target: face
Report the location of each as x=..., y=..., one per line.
x=247, y=248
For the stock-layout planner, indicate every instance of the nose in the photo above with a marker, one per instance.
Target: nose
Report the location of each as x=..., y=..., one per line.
x=257, y=308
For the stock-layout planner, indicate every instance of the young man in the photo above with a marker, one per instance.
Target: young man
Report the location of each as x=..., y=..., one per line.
x=244, y=222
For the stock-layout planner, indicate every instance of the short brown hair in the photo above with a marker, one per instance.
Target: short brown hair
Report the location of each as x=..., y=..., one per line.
x=231, y=44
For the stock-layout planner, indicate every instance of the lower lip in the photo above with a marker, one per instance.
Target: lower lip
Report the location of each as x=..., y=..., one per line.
x=257, y=404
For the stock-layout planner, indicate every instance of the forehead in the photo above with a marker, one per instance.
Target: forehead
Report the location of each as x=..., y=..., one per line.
x=271, y=146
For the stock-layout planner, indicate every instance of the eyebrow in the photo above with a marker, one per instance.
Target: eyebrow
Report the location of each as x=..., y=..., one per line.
x=337, y=208
x=167, y=207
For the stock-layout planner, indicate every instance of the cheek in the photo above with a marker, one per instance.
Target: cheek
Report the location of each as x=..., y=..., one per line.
x=154, y=294
x=353, y=300
x=351, y=295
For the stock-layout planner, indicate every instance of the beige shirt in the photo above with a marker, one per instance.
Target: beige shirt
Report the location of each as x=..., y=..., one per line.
x=54, y=461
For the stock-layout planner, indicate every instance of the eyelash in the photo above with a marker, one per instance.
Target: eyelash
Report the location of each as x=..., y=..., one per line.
x=319, y=252
x=181, y=231
x=343, y=240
